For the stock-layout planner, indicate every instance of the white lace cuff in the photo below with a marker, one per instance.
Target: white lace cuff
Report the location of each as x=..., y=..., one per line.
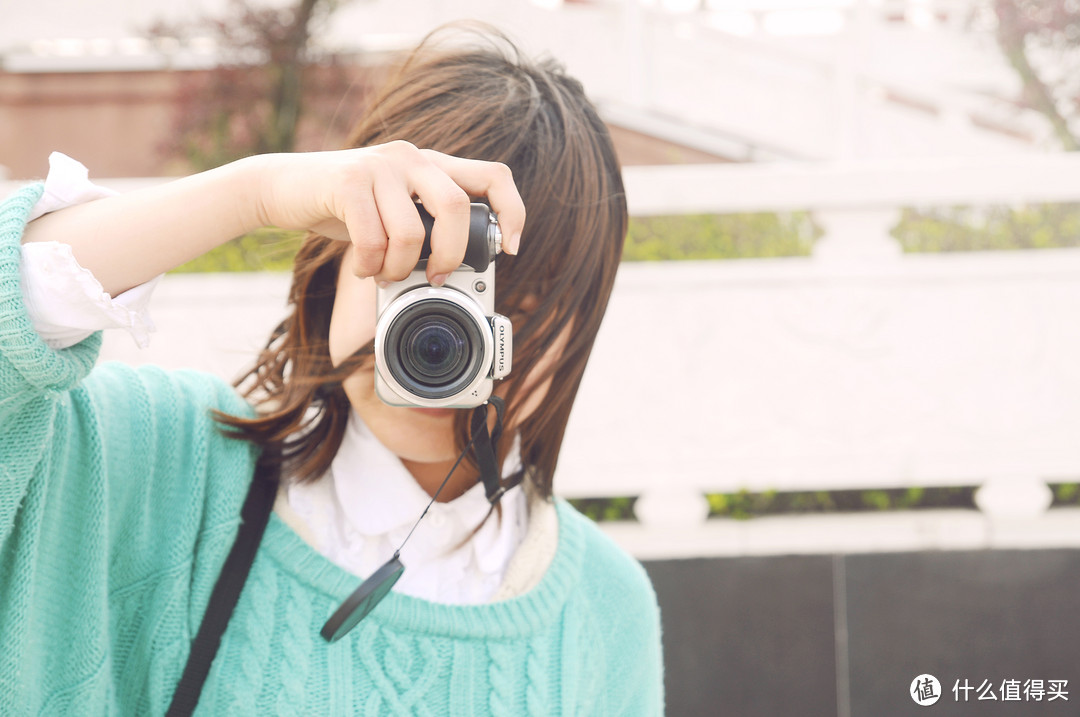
x=66, y=303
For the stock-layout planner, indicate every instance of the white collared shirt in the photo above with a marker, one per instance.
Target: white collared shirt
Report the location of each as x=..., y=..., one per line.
x=363, y=508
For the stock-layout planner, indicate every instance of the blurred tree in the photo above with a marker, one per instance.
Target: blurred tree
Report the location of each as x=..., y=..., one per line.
x=1041, y=41
x=252, y=100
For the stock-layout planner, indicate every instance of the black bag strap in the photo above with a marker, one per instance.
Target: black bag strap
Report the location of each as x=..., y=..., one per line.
x=253, y=519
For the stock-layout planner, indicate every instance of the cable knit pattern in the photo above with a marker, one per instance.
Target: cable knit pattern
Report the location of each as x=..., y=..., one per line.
x=535, y=684
x=296, y=649
x=251, y=649
x=501, y=662
x=119, y=500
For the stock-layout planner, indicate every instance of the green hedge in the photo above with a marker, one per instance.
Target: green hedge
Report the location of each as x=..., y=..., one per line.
x=950, y=229
x=743, y=505
x=649, y=239
x=742, y=236
x=262, y=250
x=726, y=236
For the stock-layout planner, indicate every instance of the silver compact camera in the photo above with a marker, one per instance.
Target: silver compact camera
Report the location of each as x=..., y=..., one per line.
x=443, y=346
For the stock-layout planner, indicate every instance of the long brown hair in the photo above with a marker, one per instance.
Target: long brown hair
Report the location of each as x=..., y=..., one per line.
x=479, y=99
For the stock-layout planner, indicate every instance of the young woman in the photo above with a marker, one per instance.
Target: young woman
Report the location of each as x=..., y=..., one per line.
x=121, y=488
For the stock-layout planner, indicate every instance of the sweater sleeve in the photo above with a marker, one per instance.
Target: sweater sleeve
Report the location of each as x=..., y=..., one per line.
x=643, y=680
x=136, y=444
x=28, y=368
x=624, y=630
x=33, y=377
x=635, y=664
x=119, y=499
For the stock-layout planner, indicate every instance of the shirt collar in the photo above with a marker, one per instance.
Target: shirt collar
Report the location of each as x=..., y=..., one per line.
x=378, y=494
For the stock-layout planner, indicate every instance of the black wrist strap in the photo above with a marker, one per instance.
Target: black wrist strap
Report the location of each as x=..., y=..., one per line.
x=484, y=449
x=253, y=519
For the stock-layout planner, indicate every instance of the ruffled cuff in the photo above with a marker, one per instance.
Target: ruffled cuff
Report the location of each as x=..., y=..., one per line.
x=66, y=303
x=68, y=184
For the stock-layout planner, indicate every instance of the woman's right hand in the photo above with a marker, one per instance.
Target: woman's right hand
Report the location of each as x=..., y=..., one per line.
x=366, y=196
x=360, y=195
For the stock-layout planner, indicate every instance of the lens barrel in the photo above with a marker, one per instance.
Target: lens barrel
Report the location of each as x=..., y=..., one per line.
x=434, y=349
x=485, y=238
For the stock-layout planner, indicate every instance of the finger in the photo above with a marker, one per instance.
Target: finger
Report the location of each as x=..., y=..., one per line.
x=494, y=181
x=366, y=232
x=404, y=230
x=449, y=205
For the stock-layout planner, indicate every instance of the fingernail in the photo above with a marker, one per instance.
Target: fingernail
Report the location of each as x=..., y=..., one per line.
x=515, y=241
x=384, y=284
x=439, y=279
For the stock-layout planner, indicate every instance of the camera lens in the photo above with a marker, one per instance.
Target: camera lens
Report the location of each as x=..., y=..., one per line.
x=434, y=349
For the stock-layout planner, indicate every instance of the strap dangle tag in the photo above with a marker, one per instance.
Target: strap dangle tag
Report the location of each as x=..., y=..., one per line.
x=377, y=586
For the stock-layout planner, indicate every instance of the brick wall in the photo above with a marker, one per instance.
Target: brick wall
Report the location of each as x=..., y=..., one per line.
x=119, y=123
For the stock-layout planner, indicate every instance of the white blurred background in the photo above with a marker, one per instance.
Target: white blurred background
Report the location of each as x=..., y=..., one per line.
x=863, y=364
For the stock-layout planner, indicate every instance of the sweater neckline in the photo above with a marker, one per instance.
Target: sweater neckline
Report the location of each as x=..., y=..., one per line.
x=516, y=617
x=365, y=505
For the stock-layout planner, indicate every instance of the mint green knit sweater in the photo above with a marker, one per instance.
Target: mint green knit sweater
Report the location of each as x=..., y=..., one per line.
x=119, y=500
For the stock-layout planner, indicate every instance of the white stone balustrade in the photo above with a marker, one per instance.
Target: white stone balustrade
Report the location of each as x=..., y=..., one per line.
x=855, y=368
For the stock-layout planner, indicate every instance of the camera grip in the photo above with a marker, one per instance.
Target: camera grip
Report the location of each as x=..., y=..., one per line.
x=481, y=249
